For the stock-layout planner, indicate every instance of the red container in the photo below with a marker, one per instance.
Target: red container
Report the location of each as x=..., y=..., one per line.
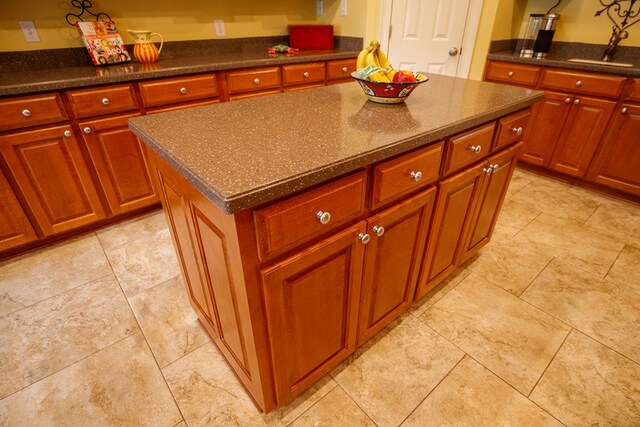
x=311, y=37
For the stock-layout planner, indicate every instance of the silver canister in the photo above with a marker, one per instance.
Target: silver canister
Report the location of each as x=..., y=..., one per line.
x=545, y=35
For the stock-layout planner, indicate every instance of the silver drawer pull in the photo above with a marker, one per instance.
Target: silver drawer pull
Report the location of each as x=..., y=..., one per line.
x=364, y=238
x=567, y=100
x=67, y=133
x=345, y=69
x=305, y=74
x=517, y=131
x=26, y=113
x=510, y=74
x=86, y=130
x=379, y=230
x=495, y=167
x=577, y=101
x=105, y=101
x=488, y=170
x=417, y=176
x=323, y=217
x=578, y=83
x=624, y=110
x=256, y=81
x=183, y=90
x=476, y=148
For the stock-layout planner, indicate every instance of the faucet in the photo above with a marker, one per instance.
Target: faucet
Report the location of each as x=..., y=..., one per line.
x=617, y=36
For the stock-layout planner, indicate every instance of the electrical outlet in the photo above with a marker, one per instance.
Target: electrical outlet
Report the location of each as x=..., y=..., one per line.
x=29, y=31
x=219, y=24
x=343, y=7
x=319, y=7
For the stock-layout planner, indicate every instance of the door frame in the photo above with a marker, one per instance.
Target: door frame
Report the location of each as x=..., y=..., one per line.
x=468, y=38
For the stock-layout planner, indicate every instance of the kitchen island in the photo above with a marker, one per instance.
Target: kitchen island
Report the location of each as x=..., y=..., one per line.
x=305, y=222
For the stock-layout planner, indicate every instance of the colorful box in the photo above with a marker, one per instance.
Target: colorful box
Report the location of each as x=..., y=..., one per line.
x=311, y=37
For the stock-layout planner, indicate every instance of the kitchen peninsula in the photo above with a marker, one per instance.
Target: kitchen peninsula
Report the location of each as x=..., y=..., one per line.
x=305, y=222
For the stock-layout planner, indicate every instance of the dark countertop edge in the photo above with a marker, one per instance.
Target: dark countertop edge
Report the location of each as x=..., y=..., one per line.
x=261, y=195
x=62, y=84
x=509, y=56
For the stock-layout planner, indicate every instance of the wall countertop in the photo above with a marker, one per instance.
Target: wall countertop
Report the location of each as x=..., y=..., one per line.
x=31, y=81
x=245, y=153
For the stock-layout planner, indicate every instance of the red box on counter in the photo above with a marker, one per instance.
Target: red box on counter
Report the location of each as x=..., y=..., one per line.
x=311, y=37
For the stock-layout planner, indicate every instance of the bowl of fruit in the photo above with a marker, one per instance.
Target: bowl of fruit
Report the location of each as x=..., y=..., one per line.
x=380, y=81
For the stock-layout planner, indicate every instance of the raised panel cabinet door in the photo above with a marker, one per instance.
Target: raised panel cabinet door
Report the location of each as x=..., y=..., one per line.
x=119, y=158
x=15, y=228
x=549, y=116
x=617, y=164
x=498, y=172
x=392, y=261
x=454, y=204
x=581, y=135
x=53, y=177
x=311, y=302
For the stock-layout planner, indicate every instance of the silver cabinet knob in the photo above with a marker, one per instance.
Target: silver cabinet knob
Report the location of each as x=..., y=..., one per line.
x=183, y=90
x=488, y=170
x=86, y=130
x=510, y=74
x=67, y=133
x=453, y=51
x=256, y=81
x=578, y=83
x=323, y=217
x=567, y=100
x=345, y=69
x=364, y=238
x=517, y=131
x=26, y=113
x=495, y=167
x=305, y=74
x=476, y=148
x=416, y=176
x=379, y=230
x=624, y=110
x=576, y=101
x=105, y=101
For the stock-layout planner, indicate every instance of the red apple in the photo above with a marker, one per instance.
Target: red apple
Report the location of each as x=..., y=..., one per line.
x=404, y=77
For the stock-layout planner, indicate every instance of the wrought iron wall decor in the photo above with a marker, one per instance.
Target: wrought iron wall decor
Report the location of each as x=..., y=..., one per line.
x=623, y=14
x=84, y=6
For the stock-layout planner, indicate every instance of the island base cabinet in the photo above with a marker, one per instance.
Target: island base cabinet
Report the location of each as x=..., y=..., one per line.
x=15, y=228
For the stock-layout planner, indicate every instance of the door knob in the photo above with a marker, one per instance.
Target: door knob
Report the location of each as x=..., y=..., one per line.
x=323, y=217
x=453, y=51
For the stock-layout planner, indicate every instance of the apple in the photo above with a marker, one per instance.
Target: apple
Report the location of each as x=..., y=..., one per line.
x=404, y=77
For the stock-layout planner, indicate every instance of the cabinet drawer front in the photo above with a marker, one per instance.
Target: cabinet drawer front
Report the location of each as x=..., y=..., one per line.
x=253, y=80
x=513, y=73
x=634, y=94
x=303, y=73
x=402, y=175
x=587, y=83
x=511, y=129
x=30, y=111
x=469, y=147
x=103, y=100
x=171, y=91
x=340, y=69
x=295, y=220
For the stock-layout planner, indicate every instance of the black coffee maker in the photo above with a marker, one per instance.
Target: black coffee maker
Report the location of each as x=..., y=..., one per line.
x=539, y=35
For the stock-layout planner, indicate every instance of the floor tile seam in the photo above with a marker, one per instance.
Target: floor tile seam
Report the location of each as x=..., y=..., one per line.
x=318, y=401
x=614, y=261
x=350, y=397
x=608, y=346
x=442, y=336
x=72, y=364
x=210, y=341
x=527, y=224
x=534, y=279
x=549, y=364
x=412, y=313
x=585, y=227
x=111, y=248
x=181, y=421
x=519, y=190
x=155, y=286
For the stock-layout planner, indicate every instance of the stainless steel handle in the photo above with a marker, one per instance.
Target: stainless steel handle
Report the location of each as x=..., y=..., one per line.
x=495, y=167
x=417, y=176
x=567, y=100
x=324, y=217
x=488, y=170
x=305, y=74
x=624, y=110
x=105, y=101
x=476, y=148
x=183, y=90
x=517, y=131
x=510, y=74
x=453, y=51
x=345, y=69
x=26, y=113
x=578, y=83
x=576, y=101
x=379, y=230
x=67, y=133
x=86, y=130
x=256, y=81
x=364, y=238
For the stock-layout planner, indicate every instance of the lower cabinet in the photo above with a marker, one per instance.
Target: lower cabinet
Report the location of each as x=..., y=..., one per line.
x=15, y=228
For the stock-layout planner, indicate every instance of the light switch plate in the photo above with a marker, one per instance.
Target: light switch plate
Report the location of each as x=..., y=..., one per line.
x=219, y=24
x=29, y=31
x=343, y=7
x=319, y=7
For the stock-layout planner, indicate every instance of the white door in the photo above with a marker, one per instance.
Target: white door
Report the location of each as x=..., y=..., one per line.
x=426, y=35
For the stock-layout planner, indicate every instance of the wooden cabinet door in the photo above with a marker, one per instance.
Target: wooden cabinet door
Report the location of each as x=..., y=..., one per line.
x=549, y=116
x=582, y=132
x=119, y=158
x=392, y=261
x=53, y=177
x=617, y=164
x=15, y=228
x=498, y=172
x=311, y=302
x=454, y=204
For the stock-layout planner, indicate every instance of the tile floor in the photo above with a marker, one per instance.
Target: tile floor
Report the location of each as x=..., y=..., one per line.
x=542, y=327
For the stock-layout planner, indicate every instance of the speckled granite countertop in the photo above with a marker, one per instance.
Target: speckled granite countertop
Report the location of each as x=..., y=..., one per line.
x=241, y=154
x=31, y=81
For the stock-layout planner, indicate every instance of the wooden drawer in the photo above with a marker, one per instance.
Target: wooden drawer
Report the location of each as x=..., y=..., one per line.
x=172, y=91
x=102, y=100
x=584, y=83
x=396, y=177
x=31, y=111
x=634, y=93
x=303, y=73
x=513, y=73
x=340, y=69
x=511, y=129
x=293, y=221
x=468, y=147
x=253, y=80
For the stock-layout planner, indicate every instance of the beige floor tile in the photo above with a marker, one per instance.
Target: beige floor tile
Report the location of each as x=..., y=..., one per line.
x=48, y=272
x=124, y=232
x=513, y=218
x=170, y=325
x=435, y=294
x=519, y=180
x=334, y=409
x=618, y=220
x=53, y=334
x=538, y=178
x=599, y=308
x=144, y=262
x=120, y=385
x=508, y=336
x=181, y=424
x=588, y=384
x=626, y=269
x=391, y=376
x=571, y=242
x=472, y=396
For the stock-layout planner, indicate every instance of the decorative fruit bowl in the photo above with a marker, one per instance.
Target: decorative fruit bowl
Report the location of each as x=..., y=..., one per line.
x=388, y=92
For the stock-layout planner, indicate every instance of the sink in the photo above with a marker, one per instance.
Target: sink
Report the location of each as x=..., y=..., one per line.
x=596, y=62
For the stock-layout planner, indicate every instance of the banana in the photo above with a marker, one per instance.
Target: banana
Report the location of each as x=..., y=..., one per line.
x=372, y=60
x=360, y=62
x=382, y=61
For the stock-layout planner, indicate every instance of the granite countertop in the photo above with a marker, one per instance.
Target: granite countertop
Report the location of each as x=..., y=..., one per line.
x=31, y=81
x=241, y=154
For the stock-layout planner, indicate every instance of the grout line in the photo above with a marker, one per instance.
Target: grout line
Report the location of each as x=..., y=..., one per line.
x=534, y=279
x=549, y=364
x=614, y=262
